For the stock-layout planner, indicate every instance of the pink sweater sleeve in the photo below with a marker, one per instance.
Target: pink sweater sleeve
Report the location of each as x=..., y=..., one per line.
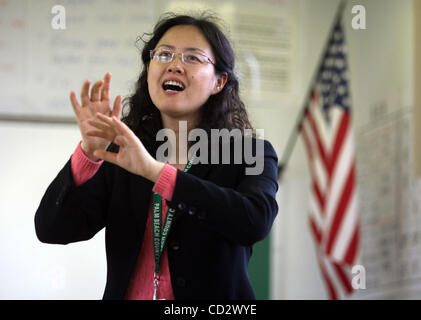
x=82, y=167
x=166, y=182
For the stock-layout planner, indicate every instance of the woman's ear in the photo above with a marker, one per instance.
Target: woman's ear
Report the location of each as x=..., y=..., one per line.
x=221, y=80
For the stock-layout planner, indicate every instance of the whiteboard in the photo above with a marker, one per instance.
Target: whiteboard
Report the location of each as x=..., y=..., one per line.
x=40, y=65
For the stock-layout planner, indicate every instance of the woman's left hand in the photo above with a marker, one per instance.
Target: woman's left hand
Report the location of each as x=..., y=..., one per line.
x=132, y=154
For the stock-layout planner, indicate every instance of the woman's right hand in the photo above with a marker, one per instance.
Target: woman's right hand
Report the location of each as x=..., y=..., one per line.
x=98, y=101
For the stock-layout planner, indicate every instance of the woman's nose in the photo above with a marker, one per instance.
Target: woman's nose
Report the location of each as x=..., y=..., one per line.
x=176, y=65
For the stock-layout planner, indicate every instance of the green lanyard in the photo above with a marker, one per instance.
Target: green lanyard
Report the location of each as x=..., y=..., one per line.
x=160, y=236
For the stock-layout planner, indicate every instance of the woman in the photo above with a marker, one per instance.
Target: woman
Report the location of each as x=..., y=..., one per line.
x=170, y=234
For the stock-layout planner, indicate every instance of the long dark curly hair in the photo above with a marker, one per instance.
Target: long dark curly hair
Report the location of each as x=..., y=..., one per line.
x=222, y=110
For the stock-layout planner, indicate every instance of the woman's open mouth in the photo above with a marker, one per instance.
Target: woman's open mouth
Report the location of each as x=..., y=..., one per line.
x=172, y=86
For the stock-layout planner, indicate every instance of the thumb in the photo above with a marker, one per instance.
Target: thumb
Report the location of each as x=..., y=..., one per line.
x=106, y=156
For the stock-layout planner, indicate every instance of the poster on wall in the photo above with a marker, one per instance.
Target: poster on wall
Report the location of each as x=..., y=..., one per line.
x=264, y=38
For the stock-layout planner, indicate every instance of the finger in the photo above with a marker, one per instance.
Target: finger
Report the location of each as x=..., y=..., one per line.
x=118, y=125
x=117, y=108
x=104, y=118
x=84, y=94
x=99, y=125
x=75, y=103
x=101, y=134
x=106, y=155
x=96, y=90
x=122, y=128
x=105, y=95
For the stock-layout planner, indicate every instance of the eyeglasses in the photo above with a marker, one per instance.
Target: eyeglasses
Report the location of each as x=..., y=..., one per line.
x=188, y=57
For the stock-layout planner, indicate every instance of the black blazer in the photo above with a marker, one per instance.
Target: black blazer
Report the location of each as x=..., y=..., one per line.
x=220, y=214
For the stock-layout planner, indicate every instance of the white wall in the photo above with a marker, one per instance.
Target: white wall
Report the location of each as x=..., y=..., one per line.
x=32, y=156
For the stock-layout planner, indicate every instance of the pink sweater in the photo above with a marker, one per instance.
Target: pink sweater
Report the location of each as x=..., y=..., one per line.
x=141, y=284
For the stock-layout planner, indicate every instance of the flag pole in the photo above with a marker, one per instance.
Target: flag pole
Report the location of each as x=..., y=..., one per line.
x=296, y=130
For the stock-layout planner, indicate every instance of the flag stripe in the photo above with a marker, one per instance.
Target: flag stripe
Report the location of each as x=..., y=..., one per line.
x=340, y=174
x=317, y=166
x=342, y=276
x=316, y=232
x=316, y=135
x=329, y=284
x=346, y=231
x=319, y=197
x=316, y=214
x=343, y=204
x=351, y=252
x=316, y=188
x=339, y=139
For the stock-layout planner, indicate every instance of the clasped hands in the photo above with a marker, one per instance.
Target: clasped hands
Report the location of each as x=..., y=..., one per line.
x=99, y=126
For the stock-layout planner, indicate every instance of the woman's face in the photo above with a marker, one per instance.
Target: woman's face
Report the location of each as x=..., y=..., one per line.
x=198, y=82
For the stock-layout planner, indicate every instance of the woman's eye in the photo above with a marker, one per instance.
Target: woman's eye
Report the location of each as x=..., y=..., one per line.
x=192, y=58
x=164, y=54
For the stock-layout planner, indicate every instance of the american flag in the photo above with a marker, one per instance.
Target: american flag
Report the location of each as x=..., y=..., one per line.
x=327, y=135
